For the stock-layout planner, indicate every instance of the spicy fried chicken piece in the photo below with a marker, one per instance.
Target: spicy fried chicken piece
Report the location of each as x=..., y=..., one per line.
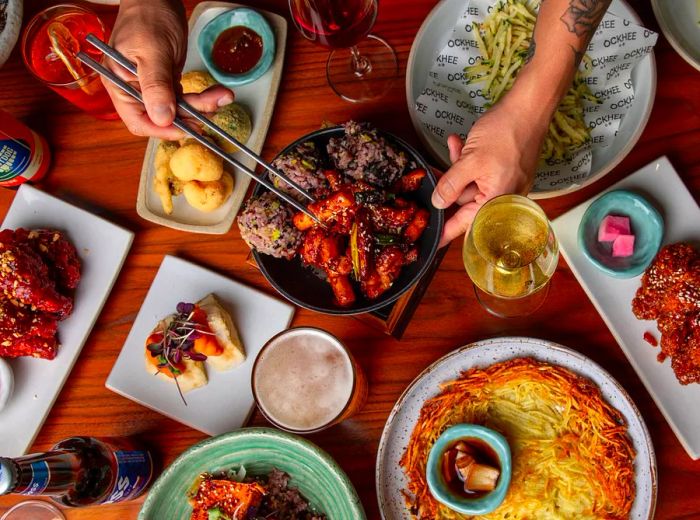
x=670, y=294
x=21, y=321
x=236, y=500
x=410, y=181
x=58, y=253
x=417, y=225
x=30, y=346
x=25, y=277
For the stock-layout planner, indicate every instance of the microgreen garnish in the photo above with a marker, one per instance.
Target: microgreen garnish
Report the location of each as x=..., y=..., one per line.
x=177, y=342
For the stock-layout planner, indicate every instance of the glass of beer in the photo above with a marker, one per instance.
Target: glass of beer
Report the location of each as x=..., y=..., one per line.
x=305, y=380
x=50, y=43
x=510, y=254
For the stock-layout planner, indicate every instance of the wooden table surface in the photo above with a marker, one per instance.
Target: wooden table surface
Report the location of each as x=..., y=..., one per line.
x=98, y=163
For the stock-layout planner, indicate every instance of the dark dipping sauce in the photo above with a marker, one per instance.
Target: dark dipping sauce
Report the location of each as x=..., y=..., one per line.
x=237, y=50
x=482, y=453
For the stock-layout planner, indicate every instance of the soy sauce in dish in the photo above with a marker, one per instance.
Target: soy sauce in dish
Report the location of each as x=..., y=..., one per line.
x=237, y=50
x=470, y=468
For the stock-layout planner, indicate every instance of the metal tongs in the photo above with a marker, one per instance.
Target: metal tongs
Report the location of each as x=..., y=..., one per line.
x=191, y=111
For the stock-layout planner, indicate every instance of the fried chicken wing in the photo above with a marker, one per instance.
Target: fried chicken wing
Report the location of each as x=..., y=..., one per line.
x=58, y=253
x=38, y=347
x=670, y=294
x=25, y=277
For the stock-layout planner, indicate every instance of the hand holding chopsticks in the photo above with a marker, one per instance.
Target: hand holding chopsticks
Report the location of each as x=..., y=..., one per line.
x=181, y=125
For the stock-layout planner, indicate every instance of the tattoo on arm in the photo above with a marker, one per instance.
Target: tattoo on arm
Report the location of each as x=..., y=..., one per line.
x=582, y=18
x=578, y=56
x=531, y=50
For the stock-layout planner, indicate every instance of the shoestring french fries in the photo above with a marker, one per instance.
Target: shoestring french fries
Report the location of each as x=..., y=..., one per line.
x=504, y=40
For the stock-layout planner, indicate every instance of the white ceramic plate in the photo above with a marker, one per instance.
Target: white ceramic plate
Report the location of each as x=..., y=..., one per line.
x=226, y=402
x=660, y=184
x=257, y=97
x=680, y=22
x=102, y=248
x=399, y=426
x=433, y=36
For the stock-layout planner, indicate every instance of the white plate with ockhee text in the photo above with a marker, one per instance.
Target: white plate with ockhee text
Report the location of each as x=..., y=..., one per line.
x=660, y=184
x=102, y=248
x=434, y=34
x=225, y=403
x=258, y=98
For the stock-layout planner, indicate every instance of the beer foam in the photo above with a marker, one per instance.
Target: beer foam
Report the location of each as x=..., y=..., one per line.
x=303, y=380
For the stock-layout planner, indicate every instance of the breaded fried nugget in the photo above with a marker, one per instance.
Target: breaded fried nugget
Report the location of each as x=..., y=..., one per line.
x=196, y=81
x=194, y=162
x=162, y=181
x=208, y=196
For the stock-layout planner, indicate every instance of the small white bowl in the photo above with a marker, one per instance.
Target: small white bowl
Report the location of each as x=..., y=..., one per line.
x=7, y=383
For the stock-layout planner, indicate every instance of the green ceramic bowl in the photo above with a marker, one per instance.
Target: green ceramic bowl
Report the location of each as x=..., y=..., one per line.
x=247, y=18
x=442, y=492
x=646, y=223
x=311, y=469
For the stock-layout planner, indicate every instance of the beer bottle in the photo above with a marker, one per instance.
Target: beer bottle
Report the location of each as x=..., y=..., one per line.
x=80, y=471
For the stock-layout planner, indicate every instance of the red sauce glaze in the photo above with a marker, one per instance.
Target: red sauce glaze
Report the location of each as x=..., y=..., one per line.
x=237, y=50
x=649, y=338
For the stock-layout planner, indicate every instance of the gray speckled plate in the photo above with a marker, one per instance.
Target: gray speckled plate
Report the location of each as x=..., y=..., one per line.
x=389, y=475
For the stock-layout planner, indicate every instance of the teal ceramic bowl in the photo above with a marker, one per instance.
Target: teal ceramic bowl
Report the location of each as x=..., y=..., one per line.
x=439, y=488
x=312, y=471
x=646, y=224
x=239, y=16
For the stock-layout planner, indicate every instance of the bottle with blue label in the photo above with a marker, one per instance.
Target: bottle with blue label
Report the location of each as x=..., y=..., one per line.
x=24, y=154
x=80, y=471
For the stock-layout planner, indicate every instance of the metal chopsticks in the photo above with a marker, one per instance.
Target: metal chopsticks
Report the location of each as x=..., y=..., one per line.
x=190, y=110
x=180, y=124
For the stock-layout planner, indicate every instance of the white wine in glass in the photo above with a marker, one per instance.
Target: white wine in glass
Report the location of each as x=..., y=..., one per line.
x=510, y=254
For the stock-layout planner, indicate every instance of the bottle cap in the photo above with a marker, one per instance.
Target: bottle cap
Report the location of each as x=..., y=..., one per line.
x=8, y=475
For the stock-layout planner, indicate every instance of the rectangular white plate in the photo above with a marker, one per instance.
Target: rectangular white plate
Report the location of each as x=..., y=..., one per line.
x=226, y=402
x=257, y=97
x=102, y=248
x=662, y=186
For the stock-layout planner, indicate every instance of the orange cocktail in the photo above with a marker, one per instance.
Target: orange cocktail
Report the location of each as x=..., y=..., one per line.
x=50, y=43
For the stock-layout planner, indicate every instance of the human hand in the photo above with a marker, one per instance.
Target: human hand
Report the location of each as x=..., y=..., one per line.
x=153, y=35
x=499, y=156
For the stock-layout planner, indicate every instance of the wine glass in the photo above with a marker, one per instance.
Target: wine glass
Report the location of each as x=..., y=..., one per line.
x=361, y=66
x=510, y=254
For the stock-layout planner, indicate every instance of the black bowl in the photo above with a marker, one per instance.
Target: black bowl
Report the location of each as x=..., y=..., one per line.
x=303, y=285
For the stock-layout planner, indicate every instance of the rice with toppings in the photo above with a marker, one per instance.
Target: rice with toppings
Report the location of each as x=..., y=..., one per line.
x=266, y=226
x=364, y=155
x=303, y=165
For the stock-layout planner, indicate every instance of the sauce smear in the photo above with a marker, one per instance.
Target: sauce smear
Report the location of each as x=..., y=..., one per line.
x=237, y=50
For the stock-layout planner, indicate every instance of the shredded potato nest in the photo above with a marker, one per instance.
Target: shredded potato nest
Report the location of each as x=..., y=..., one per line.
x=504, y=40
x=571, y=454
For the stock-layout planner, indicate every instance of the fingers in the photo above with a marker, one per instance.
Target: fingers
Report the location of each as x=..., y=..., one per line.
x=454, y=144
x=155, y=70
x=470, y=194
x=452, y=184
x=132, y=112
x=211, y=99
x=459, y=223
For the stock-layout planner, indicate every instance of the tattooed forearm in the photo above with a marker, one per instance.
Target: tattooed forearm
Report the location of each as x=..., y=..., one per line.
x=583, y=16
x=578, y=55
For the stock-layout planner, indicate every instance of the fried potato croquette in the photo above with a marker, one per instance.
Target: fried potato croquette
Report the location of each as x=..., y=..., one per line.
x=196, y=81
x=163, y=179
x=208, y=196
x=234, y=120
x=194, y=162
